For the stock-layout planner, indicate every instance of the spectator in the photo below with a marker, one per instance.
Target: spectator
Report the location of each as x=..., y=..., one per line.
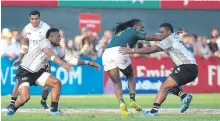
x=77, y=46
x=213, y=45
x=69, y=47
x=103, y=42
x=218, y=42
x=7, y=47
x=203, y=49
x=62, y=41
x=182, y=32
x=16, y=38
x=87, y=49
x=189, y=41
x=92, y=36
x=214, y=33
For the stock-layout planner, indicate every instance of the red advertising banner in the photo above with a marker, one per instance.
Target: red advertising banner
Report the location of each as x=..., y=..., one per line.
x=190, y=4
x=29, y=3
x=208, y=80
x=92, y=21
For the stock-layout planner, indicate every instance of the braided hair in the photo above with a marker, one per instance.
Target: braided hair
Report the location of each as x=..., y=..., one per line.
x=124, y=25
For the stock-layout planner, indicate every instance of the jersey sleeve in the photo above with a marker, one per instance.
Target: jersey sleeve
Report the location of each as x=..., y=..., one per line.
x=140, y=35
x=25, y=32
x=46, y=27
x=165, y=43
x=45, y=44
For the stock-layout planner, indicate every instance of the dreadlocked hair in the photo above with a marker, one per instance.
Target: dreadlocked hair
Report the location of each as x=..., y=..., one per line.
x=124, y=25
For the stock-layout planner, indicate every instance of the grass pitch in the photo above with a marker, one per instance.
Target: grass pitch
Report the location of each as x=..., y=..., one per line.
x=204, y=107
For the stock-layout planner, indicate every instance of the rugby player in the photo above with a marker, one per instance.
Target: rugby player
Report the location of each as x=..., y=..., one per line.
x=185, y=69
x=34, y=32
x=32, y=70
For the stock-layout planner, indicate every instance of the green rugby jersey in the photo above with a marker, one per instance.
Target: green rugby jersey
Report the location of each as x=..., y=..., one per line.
x=128, y=37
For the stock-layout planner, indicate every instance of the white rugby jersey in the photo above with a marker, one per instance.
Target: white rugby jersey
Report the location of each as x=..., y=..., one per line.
x=35, y=35
x=176, y=50
x=36, y=59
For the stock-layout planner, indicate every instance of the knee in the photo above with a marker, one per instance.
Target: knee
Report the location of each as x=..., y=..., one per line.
x=57, y=83
x=25, y=98
x=166, y=87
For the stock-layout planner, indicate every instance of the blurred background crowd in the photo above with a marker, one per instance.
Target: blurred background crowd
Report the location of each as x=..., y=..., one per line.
x=91, y=44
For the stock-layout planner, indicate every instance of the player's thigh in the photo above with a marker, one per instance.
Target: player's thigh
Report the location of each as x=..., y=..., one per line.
x=184, y=74
x=23, y=89
x=42, y=79
x=128, y=71
x=114, y=75
x=52, y=81
x=123, y=61
x=169, y=83
x=108, y=59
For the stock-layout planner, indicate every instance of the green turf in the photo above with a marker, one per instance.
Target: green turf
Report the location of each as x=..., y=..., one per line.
x=200, y=101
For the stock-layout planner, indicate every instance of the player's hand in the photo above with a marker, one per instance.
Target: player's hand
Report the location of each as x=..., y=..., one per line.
x=126, y=50
x=16, y=62
x=94, y=65
x=67, y=66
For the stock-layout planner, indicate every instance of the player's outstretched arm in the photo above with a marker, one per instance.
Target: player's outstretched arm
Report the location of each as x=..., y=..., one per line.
x=76, y=61
x=24, y=49
x=155, y=37
x=147, y=50
x=56, y=59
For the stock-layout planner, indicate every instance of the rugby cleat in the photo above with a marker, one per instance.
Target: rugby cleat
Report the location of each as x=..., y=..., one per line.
x=9, y=112
x=124, y=110
x=185, y=103
x=56, y=113
x=44, y=105
x=148, y=113
x=134, y=105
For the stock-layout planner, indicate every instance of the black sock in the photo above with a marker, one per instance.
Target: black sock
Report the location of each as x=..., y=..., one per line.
x=43, y=99
x=121, y=100
x=13, y=100
x=13, y=107
x=54, y=106
x=176, y=90
x=155, y=108
x=132, y=96
x=183, y=95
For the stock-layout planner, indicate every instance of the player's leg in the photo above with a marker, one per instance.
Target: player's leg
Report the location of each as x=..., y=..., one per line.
x=45, y=93
x=180, y=76
x=129, y=73
x=23, y=98
x=161, y=96
x=115, y=77
x=45, y=90
x=185, y=98
x=14, y=95
x=48, y=80
x=178, y=91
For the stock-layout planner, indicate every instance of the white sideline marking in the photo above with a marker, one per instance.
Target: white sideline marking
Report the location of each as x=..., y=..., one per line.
x=162, y=111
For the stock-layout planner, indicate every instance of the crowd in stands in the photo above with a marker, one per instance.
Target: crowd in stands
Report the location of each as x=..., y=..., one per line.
x=92, y=45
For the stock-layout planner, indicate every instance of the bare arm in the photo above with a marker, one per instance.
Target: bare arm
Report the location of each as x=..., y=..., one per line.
x=147, y=50
x=53, y=56
x=24, y=50
x=76, y=61
x=155, y=37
